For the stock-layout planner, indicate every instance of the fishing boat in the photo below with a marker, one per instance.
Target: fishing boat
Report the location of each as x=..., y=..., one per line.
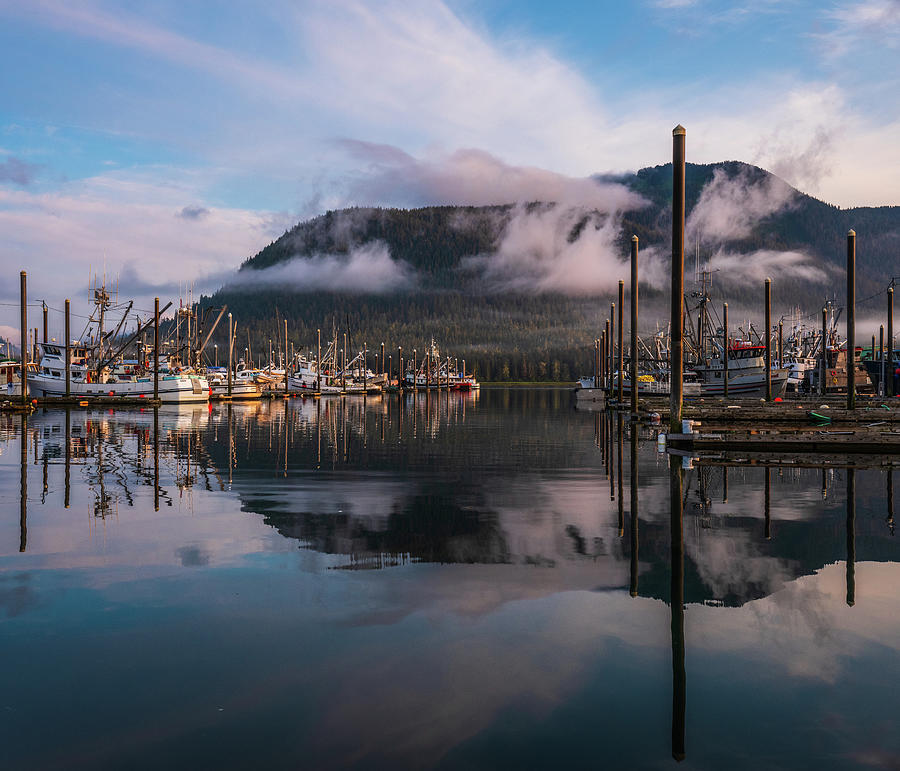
x=746, y=371
x=241, y=389
x=89, y=380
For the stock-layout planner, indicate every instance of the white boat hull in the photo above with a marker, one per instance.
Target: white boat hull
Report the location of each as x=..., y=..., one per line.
x=172, y=390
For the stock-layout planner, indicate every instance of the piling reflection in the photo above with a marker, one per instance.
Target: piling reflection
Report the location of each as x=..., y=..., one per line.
x=676, y=604
x=23, y=486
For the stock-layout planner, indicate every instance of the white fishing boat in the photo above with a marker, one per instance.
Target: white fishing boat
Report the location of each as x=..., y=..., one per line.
x=86, y=381
x=241, y=389
x=746, y=371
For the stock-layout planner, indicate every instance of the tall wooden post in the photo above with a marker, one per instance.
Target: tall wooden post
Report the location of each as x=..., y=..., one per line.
x=286, y=368
x=851, y=320
x=597, y=363
x=676, y=363
x=399, y=367
x=23, y=339
x=823, y=367
x=621, y=348
x=44, y=307
x=768, y=339
x=780, y=352
x=889, y=386
x=318, y=361
x=69, y=352
x=634, y=335
x=611, y=342
x=725, y=350
x=381, y=372
x=607, y=356
x=230, y=356
x=881, y=359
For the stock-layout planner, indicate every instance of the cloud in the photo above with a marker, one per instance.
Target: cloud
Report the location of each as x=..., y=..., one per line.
x=368, y=268
x=756, y=266
x=17, y=171
x=471, y=177
x=856, y=23
x=193, y=213
x=730, y=207
x=553, y=248
x=123, y=222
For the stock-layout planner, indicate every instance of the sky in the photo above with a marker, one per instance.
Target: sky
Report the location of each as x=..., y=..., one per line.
x=166, y=142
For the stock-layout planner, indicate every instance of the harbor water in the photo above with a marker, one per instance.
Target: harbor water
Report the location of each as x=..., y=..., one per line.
x=444, y=580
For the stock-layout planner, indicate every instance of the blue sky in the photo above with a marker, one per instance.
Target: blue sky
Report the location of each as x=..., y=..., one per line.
x=171, y=140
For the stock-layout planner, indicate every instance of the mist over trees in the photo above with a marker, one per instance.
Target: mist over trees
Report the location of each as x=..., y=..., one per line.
x=430, y=278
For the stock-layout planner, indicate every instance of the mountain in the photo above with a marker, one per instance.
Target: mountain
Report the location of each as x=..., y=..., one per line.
x=500, y=285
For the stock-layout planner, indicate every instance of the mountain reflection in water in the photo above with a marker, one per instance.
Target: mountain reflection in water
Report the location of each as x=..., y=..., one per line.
x=467, y=506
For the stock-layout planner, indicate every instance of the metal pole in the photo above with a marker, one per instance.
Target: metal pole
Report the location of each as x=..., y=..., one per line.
x=156, y=349
x=68, y=352
x=634, y=336
x=768, y=339
x=851, y=320
x=621, y=349
x=23, y=340
x=676, y=363
x=725, y=350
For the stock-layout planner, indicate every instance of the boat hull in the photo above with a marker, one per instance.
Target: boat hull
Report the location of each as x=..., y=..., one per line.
x=172, y=390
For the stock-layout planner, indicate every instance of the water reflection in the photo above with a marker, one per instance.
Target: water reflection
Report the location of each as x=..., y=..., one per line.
x=434, y=507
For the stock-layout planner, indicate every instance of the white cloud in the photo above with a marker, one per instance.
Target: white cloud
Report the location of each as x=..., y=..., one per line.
x=730, y=207
x=368, y=268
x=124, y=223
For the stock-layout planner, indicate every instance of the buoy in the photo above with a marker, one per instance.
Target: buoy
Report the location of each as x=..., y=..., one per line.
x=778, y=399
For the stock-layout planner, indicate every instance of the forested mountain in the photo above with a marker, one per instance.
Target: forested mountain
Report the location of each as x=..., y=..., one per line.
x=434, y=274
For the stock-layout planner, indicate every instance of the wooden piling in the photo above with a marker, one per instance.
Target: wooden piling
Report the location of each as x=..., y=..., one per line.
x=780, y=351
x=851, y=320
x=621, y=361
x=69, y=352
x=634, y=327
x=318, y=361
x=725, y=350
x=45, y=309
x=881, y=358
x=823, y=368
x=286, y=368
x=889, y=386
x=676, y=355
x=611, y=342
x=768, y=339
x=23, y=339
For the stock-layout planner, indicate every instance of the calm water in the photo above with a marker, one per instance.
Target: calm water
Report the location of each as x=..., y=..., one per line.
x=468, y=582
